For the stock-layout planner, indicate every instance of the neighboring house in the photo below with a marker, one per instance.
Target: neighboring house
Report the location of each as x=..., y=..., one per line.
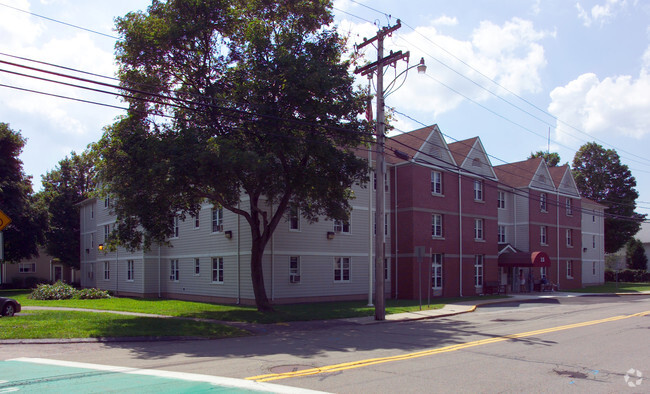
x=593, y=243
x=644, y=236
x=36, y=270
x=454, y=223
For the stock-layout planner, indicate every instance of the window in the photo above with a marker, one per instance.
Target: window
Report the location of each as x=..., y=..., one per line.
x=436, y=271
x=593, y=268
x=593, y=241
x=501, y=234
x=342, y=226
x=374, y=180
x=478, y=270
x=501, y=201
x=569, y=237
x=542, y=272
x=386, y=224
x=478, y=228
x=197, y=266
x=542, y=202
x=173, y=270
x=374, y=224
x=569, y=269
x=569, y=207
x=217, y=220
x=107, y=270
x=107, y=202
x=92, y=211
x=90, y=271
x=107, y=232
x=294, y=269
x=175, y=227
x=542, y=235
x=341, y=269
x=386, y=268
x=197, y=222
x=27, y=268
x=217, y=269
x=436, y=182
x=436, y=225
x=478, y=190
x=593, y=217
x=294, y=218
x=130, y=271
x=92, y=240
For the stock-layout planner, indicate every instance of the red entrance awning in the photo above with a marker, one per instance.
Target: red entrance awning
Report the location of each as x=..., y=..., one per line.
x=524, y=259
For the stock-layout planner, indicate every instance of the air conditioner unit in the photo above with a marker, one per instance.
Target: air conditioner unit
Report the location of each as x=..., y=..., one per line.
x=294, y=278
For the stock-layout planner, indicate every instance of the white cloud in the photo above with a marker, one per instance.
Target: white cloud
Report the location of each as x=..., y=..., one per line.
x=445, y=21
x=600, y=13
x=613, y=106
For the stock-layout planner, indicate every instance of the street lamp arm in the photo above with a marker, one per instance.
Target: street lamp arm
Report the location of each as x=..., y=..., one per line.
x=421, y=70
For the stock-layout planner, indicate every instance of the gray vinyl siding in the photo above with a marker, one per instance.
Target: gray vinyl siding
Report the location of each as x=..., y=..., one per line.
x=520, y=236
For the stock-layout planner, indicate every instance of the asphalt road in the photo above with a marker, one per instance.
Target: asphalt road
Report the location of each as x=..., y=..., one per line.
x=580, y=344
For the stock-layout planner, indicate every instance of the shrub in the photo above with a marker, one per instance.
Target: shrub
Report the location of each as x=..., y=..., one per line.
x=57, y=291
x=91, y=294
x=628, y=275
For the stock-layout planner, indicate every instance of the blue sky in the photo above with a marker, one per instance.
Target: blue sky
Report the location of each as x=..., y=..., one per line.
x=509, y=71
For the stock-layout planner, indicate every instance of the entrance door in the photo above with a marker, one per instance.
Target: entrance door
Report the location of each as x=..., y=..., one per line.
x=58, y=273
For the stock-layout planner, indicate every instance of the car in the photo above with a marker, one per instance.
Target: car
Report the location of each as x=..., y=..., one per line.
x=8, y=306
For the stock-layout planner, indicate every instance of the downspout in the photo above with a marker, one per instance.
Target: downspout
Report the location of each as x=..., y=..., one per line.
x=238, y=256
x=396, y=248
x=159, y=272
x=272, y=261
x=370, y=233
x=460, y=231
x=557, y=236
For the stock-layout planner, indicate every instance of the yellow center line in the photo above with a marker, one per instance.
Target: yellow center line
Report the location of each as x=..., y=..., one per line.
x=424, y=353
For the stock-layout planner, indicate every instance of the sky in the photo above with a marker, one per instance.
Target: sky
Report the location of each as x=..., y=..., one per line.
x=523, y=75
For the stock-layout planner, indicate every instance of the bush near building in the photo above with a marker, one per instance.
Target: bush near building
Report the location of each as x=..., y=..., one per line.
x=627, y=275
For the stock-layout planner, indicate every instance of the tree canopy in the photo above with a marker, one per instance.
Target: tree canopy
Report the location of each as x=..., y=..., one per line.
x=25, y=233
x=601, y=177
x=552, y=159
x=231, y=97
x=64, y=187
x=635, y=256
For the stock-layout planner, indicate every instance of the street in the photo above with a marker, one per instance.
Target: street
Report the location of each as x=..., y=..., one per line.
x=583, y=344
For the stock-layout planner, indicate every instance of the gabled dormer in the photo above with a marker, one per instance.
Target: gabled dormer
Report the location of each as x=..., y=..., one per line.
x=472, y=159
x=425, y=146
x=531, y=174
x=542, y=178
x=564, y=181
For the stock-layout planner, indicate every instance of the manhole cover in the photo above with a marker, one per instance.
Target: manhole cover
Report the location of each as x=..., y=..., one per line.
x=289, y=368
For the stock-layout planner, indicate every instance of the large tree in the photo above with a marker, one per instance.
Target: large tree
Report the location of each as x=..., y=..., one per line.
x=230, y=98
x=25, y=233
x=601, y=177
x=635, y=256
x=63, y=188
x=552, y=159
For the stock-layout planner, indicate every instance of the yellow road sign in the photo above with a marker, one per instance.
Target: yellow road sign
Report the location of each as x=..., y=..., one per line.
x=4, y=220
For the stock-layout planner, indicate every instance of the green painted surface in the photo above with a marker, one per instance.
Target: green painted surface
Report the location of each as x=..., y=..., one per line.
x=17, y=376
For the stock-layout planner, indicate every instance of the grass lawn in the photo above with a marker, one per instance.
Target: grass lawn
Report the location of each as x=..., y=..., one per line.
x=610, y=287
x=240, y=313
x=71, y=324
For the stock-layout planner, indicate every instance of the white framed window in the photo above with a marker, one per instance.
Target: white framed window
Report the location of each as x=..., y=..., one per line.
x=436, y=225
x=542, y=235
x=478, y=229
x=542, y=202
x=107, y=232
x=569, y=237
x=294, y=269
x=501, y=200
x=478, y=190
x=436, y=182
x=294, y=218
x=90, y=270
x=217, y=270
x=174, y=272
x=175, y=227
x=569, y=269
x=593, y=268
x=436, y=271
x=26, y=268
x=197, y=221
x=107, y=270
x=197, y=266
x=374, y=180
x=342, y=226
x=217, y=220
x=569, y=206
x=130, y=270
x=501, y=234
x=107, y=202
x=386, y=268
x=92, y=211
x=542, y=272
x=92, y=240
x=593, y=241
x=478, y=270
x=341, y=269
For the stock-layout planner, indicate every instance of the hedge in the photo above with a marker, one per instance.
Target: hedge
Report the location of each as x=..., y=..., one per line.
x=627, y=275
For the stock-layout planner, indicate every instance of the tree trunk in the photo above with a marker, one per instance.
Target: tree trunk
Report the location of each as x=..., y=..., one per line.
x=257, y=276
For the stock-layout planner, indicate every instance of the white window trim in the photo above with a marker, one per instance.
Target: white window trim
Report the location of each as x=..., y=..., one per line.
x=435, y=274
x=543, y=235
x=478, y=190
x=478, y=230
x=501, y=200
x=479, y=270
x=339, y=227
x=297, y=217
x=436, y=183
x=216, y=222
x=130, y=270
x=569, y=269
x=349, y=269
x=221, y=267
x=501, y=234
x=174, y=270
x=435, y=234
x=197, y=264
x=107, y=270
x=294, y=275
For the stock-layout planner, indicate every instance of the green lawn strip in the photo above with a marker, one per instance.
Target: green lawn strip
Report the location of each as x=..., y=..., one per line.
x=610, y=287
x=73, y=324
x=240, y=313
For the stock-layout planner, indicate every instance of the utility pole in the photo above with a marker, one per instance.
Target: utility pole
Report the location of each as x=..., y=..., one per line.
x=380, y=160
